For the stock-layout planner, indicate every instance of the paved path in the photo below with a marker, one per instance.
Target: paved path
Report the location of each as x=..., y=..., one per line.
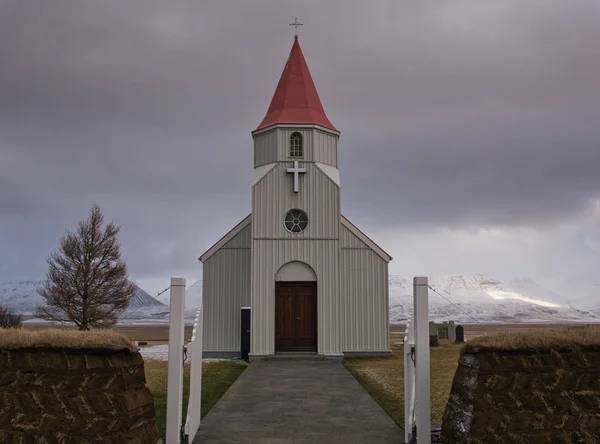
x=297, y=402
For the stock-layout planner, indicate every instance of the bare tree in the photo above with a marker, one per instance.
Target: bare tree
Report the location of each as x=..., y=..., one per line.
x=87, y=281
x=8, y=319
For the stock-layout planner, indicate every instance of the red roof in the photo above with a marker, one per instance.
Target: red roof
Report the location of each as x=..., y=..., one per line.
x=296, y=100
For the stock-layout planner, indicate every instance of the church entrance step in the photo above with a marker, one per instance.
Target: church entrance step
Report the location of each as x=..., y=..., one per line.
x=295, y=356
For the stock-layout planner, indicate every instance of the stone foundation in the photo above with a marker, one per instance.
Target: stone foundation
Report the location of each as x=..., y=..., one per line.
x=525, y=396
x=50, y=395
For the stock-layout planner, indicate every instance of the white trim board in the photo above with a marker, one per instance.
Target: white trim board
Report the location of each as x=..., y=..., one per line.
x=330, y=171
x=232, y=233
x=262, y=171
x=363, y=237
x=293, y=125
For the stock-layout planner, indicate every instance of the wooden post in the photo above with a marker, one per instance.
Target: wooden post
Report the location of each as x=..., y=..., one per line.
x=422, y=370
x=175, y=366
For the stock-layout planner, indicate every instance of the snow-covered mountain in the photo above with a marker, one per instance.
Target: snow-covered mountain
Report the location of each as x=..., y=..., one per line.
x=142, y=299
x=479, y=297
x=22, y=297
x=460, y=298
x=582, y=292
x=143, y=306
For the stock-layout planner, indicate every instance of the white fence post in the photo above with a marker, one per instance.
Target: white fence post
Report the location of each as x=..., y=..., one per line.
x=409, y=378
x=175, y=366
x=194, y=412
x=422, y=366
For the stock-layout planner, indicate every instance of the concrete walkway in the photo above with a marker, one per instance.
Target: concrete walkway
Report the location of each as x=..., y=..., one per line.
x=297, y=402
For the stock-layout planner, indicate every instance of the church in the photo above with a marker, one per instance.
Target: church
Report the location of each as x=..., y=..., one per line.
x=296, y=273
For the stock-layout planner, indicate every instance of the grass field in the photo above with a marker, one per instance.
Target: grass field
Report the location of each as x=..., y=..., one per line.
x=217, y=377
x=383, y=378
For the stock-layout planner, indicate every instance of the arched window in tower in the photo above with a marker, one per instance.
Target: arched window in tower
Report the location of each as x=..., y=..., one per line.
x=296, y=150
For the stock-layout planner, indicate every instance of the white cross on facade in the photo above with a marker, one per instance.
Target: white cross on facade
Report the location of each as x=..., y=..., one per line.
x=296, y=171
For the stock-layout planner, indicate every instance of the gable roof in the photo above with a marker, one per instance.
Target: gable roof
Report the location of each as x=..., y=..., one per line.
x=296, y=100
x=366, y=239
x=248, y=219
x=230, y=235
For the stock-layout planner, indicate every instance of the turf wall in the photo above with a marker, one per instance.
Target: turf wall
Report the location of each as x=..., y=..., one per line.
x=548, y=395
x=99, y=395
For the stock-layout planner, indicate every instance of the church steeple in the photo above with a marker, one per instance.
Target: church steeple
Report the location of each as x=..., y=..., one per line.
x=296, y=100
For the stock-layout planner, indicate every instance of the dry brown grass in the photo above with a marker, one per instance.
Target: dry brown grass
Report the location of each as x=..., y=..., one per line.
x=156, y=333
x=563, y=338
x=58, y=338
x=383, y=378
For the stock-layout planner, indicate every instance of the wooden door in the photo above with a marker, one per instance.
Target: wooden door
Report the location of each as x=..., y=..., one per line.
x=284, y=316
x=296, y=316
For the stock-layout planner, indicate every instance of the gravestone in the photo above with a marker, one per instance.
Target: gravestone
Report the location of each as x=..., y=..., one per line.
x=460, y=334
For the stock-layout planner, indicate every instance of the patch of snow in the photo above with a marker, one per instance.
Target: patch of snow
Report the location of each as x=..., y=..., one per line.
x=155, y=353
x=161, y=353
x=42, y=321
x=503, y=294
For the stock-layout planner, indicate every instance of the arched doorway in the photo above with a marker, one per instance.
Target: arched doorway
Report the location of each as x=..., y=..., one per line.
x=296, y=308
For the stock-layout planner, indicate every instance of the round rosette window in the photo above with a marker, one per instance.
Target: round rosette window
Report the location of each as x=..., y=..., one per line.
x=296, y=221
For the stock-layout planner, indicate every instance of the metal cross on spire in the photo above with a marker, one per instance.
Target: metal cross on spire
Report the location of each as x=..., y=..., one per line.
x=295, y=25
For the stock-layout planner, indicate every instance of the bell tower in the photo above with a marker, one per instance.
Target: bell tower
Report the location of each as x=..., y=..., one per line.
x=295, y=204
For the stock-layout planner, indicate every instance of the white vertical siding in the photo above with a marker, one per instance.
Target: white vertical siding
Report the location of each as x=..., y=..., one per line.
x=225, y=289
x=242, y=240
x=364, y=292
x=325, y=148
x=265, y=148
x=352, y=285
x=273, y=197
x=267, y=257
x=349, y=240
x=283, y=143
x=317, y=246
x=319, y=146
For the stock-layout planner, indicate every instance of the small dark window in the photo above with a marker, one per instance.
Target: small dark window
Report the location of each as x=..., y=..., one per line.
x=296, y=146
x=443, y=334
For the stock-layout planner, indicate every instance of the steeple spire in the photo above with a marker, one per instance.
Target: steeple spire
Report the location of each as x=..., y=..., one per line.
x=296, y=100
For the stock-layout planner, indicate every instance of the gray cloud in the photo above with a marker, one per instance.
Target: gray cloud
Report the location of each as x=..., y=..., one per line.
x=459, y=116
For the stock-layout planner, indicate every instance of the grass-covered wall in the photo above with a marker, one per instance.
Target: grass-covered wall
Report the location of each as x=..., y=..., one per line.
x=539, y=387
x=66, y=386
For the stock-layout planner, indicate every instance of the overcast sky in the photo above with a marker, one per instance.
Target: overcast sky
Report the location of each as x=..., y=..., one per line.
x=470, y=129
